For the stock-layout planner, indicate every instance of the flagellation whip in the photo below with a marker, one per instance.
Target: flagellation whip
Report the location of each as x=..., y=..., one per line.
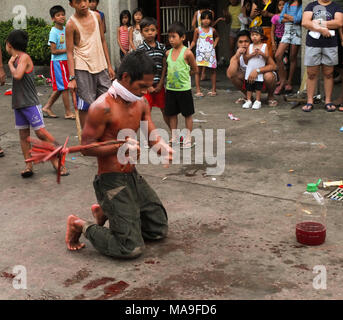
x=43, y=151
x=77, y=116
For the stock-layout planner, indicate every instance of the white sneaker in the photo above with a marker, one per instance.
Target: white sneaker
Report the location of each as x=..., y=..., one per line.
x=247, y=104
x=257, y=105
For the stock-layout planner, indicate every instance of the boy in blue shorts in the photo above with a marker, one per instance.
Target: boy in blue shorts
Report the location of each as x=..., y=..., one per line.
x=25, y=103
x=59, y=64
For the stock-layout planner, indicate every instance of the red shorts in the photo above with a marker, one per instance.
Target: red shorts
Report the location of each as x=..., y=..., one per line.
x=59, y=75
x=157, y=99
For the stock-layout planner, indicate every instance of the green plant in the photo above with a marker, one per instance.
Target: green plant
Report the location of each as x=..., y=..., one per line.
x=38, y=31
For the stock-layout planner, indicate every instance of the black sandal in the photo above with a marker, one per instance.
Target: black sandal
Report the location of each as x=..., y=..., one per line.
x=27, y=173
x=327, y=105
x=2, y=153
x=307, y=105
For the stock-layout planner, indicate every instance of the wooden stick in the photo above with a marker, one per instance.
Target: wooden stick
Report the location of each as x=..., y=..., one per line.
x=77, y=117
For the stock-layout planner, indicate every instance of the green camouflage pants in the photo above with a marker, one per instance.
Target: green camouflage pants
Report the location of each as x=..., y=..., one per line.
x=134, y=212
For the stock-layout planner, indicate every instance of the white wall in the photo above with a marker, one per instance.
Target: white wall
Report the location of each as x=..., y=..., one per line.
x=40, y=9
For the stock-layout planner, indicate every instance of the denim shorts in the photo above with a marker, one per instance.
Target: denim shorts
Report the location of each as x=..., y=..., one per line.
x=292, y=34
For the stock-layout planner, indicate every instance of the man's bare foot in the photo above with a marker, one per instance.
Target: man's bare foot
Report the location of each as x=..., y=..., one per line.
x=74, y=230
x=98, y=215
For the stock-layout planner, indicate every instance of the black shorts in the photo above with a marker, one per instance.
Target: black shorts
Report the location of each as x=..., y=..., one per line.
x=255, y=86
x=179, y=102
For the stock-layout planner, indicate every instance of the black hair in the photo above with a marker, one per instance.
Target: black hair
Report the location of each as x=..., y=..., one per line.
x=18, y=39
x=277, y=5
x=177, y=27
x=97, y=1
x=137, y=63
x=243, y=33
x=203, y=4
x=148, y=21
x=206, y=14
x=134, y=12
x=56, y=9
x=291, y=1
x=123, y=14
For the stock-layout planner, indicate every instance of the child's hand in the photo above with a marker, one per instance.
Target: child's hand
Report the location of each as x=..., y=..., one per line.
x=151, y=89
x=13, y=59
x=158, y=88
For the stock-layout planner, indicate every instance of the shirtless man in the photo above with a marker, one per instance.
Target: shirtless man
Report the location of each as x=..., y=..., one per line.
x=237, y=67
x=89, y=62
x=133, y=209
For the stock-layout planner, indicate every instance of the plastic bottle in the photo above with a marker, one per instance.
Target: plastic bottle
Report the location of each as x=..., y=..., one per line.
x=311, y=216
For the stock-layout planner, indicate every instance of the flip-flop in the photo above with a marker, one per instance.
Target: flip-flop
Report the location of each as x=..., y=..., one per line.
x=308, y=105
x=2, y=153
x=339, y=107
x=272, y=103
x=47, y=115
x=71, y=117
x=199, y=95
x=240, y=100
x=27, y=173
x=330, y=104
x=212, y=94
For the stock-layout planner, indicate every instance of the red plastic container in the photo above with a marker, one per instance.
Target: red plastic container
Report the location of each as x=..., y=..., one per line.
x=310, y=233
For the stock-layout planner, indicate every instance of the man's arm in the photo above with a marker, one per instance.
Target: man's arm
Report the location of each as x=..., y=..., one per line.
x=189, y=56
x=337, y=22
x=104, y=45
x=269, y=67
x=70, y=53
x=2, y=71
x=234, y=65
x=94, y=129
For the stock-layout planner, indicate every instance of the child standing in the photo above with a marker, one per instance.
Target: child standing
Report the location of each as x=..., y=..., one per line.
x=58, y=65
x=123, y=33
x=181, y=65
x=278, y=28
x=88, y=57
x=244, y=16
x=25, y=103
x=206, y=39
x=233, y=11
x=135, y=35
x=255, y=58
x=93, y=5
x=291, y=16
x=157, y=51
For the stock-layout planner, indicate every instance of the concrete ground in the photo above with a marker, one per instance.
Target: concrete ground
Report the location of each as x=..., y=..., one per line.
x=230, y=238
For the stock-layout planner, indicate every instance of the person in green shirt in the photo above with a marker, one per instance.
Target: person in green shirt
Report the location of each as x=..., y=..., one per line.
x=181, y=65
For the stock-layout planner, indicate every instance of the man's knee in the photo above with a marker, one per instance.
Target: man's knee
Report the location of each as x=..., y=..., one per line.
x=328, y=73
x=135, y=253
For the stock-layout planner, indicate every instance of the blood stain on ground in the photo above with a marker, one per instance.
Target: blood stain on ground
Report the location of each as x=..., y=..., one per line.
x=7, y=275
x=78, y=277
x=113, y=290
x=98, y=282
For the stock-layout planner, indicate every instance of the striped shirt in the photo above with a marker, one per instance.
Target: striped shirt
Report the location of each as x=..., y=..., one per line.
x=157, y=54
x=124, y=37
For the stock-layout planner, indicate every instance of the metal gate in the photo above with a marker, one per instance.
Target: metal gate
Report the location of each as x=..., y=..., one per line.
x=170, y=14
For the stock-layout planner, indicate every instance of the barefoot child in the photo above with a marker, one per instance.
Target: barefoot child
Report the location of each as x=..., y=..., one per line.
x=181, y=64
x=123, y=33
x=135, y=35
x=206, y=39
x=25, y=103
x=58, y=65
x=88, y=58
x=156, y=95
x=133, y=209
x=255, y=58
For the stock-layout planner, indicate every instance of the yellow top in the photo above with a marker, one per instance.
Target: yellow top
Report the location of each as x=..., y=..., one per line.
x=235, y=11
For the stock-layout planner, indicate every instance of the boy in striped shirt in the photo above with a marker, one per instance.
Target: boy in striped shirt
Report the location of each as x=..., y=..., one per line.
x=157, y=51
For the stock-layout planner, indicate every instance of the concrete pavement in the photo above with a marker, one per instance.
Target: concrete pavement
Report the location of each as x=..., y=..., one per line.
x=230, y=238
